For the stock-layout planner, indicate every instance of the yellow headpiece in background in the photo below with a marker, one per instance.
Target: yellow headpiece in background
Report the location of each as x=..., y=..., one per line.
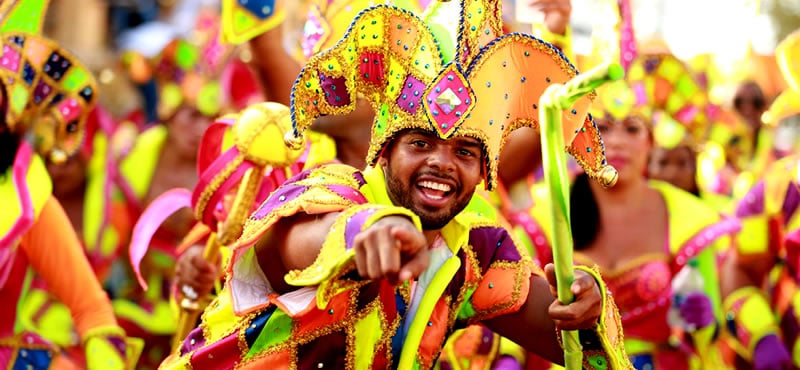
x=49, y=92
x=787, y=54
x=457, y=78
x=678, y=101
x=187, y=71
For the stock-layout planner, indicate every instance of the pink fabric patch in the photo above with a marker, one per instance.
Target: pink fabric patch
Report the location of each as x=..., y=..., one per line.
x=10, y=59
x=449, y=100
x=70, y=110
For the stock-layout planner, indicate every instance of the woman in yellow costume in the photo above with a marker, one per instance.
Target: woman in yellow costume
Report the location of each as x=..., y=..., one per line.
x=46, y=95
x=761, y=277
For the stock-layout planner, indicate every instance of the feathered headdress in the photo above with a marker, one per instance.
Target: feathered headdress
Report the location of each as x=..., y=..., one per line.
x=455, y=76
x=49, y=92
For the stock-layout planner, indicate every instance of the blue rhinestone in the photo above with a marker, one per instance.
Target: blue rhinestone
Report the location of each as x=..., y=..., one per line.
x=466, y=101
x=435, y=113
x=574, y=111
x=450, y=78
x=527, y=53
x=458, y=114
x=460, y=89
x=522, y=79
x=427, y=65
x=488, y=84
x=491, y=122
x=410, y=105
x=588, y=149
x=422, y=48
x=444, y=125
x=473, y=28
x=416, y=93
x=438, y=89
x=491, y=285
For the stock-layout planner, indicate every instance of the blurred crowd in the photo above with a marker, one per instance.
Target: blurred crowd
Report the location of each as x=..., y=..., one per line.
x=698, y=240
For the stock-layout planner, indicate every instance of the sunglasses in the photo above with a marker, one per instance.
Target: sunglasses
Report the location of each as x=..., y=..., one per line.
x=757, y=102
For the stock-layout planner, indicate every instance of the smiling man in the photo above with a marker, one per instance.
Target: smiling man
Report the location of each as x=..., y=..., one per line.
x=342, y=268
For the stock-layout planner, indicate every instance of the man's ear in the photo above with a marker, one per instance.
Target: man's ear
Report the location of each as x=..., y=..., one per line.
x=383, y=161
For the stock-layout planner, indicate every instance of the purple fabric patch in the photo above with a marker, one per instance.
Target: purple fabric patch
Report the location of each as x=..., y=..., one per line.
x=360, y=178
x=411, y=95
x=335, y=90
x=41, y=92
x=279, y=197
x=487, y=339
x=348, y=193
x=193, y=341
x=492, y=244
x=354, y=225
x=753, y=202
x=119, y=345
x=790, y=203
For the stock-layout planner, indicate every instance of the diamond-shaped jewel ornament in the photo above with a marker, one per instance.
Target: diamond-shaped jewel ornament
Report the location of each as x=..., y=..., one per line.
x=448, y=101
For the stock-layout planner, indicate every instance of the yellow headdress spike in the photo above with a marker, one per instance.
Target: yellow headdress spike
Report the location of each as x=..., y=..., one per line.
x=489, y=88
x=787, y=54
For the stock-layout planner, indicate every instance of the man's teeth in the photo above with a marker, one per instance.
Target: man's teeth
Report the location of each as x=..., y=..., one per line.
x=435, y=186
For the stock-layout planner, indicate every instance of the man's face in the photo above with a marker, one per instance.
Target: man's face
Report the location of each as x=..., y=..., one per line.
x=432, y=177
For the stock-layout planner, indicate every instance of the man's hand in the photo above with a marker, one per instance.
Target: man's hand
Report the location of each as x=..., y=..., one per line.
x=193, y=274
x=555, y=14
x=391, y=248
x=582, y=313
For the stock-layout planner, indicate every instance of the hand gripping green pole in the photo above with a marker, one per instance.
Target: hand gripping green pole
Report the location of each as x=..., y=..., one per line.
x=556, y=99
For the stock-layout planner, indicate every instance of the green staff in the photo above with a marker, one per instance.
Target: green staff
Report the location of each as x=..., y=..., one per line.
x=556, y=99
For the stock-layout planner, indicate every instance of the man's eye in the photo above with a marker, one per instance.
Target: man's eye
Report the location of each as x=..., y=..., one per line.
x=419, y=143
x=465, y=153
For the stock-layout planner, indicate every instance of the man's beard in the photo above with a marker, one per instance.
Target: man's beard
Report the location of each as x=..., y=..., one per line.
x=400, y=194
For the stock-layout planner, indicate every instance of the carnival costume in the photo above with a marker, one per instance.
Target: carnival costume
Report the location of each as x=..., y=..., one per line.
x=338, y=320
x=104, y=235
x=770, y=225
x=47, y=94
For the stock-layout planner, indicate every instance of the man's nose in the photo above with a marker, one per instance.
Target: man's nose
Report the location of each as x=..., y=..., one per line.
x=442, y=158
